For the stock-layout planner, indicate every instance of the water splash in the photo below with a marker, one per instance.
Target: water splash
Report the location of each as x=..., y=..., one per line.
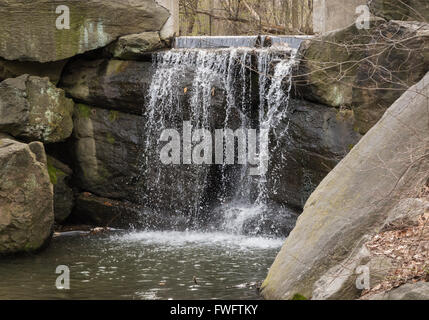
x=274, y=109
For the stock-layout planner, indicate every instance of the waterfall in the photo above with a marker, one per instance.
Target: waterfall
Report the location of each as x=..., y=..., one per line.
x=185, y=83
x=213, y=89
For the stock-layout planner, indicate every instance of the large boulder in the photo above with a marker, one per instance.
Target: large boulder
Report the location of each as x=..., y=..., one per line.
x=32, y=108
x=390, y=163
x=366, y=70
x=312, y=141
x=26, y=199
x=111, y=84
x=411, y=10
x=29, y=32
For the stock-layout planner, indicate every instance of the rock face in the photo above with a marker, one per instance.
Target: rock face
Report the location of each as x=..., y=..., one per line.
x=411, y=10
x=13, y=69
x=105, y=212
x=60, y=175
x=390, y=163
x=107, y=150
x=409, y=291
x=26, y=199
x=136, y=46
x=32, y=108
x=366, y=70
x=109, y=84
x=317, y=138
x=93, y=24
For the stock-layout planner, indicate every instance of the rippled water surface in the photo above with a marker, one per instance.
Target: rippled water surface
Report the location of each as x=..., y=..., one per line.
x=143, y=265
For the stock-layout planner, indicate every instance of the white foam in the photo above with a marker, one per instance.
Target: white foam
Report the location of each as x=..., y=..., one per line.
x=177, y=238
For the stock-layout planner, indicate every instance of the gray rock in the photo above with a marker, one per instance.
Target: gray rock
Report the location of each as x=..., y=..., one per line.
x=353, y=202
x=107, y=151
x=32, y=108
x=316, y=140
x=364, y=70
x=136, y=46
x=409, y=291
x=26, y=198
x=28, y=30
x=406, y=212
x=13, y=69
x=109, y=84
x=60, y=175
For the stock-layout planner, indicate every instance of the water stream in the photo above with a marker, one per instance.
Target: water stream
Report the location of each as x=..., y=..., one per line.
x=143, y=265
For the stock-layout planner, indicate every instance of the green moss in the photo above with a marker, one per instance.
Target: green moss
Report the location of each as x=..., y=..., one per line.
x=298, y=296
x=83, y=111
x=110, y=138
x=103, y=173
x=113, y=115
x=54, y=173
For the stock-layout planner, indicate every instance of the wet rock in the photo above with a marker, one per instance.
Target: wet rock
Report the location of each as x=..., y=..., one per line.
x=99, y=211
x=366, y=70
x=136, y=46
x=32, y=108
x=60, y=176
x=107, y=150
x=26, y=198
x=321, y=254
x=105, y=212
x=411, y=10
x=317, y=139
x=109, y=84
x=29, y=30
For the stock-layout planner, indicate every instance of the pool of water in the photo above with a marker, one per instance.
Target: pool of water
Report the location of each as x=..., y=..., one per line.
x=143, y=265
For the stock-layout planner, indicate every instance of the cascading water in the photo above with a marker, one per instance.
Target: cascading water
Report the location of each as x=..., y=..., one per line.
x=273, y=109
x=213, y=89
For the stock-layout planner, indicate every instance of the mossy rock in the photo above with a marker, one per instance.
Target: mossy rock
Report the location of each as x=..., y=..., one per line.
x=28, y=30
x=33, y=109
